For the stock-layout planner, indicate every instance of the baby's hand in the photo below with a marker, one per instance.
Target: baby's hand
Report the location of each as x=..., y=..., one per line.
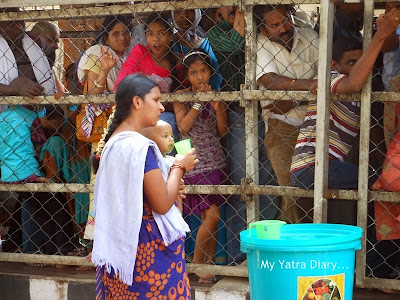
x=181, y=190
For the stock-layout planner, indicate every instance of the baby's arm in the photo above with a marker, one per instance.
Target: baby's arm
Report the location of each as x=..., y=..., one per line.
x=185, y=120
x=181, y=196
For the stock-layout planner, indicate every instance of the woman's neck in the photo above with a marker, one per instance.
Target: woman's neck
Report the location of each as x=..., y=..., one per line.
x=163, y=62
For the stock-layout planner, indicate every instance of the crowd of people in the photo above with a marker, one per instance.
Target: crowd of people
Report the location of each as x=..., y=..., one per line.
x=178, y=53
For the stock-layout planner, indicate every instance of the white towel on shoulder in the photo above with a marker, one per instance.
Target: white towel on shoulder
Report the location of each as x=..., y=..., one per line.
x=118, y=218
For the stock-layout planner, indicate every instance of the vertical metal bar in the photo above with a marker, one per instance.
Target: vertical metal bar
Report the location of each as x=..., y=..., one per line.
x=251, y=114
x=323, y=99
x=364, y=150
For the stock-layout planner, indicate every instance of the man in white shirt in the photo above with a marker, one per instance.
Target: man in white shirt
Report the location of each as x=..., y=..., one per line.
x=286, y=60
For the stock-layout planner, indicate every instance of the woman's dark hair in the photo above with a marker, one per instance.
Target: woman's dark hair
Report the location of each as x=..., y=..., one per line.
x=132, y=85
x=164, y=20
x=194, y=55
x=108, y=24
x=343, y=45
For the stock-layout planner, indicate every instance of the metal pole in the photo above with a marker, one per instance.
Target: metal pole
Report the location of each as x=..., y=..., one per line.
x=251, y=115
x=323, y=100
x=364, y=150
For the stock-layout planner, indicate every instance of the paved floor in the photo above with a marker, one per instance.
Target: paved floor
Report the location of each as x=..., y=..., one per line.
x=89, y=277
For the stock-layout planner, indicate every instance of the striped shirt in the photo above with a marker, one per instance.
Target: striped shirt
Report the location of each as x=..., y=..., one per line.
x=228, y=46
x=344, y=126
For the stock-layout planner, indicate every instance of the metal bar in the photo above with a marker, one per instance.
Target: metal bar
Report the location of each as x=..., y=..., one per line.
x=324, y=75
x=80, y=261
x=237, y=271
x=210, y=189
x=247, y=95
x=380, y=283
x=251, y=116
x=152, y=3
x=99, y=11
x=364, y=150
x=45, y=259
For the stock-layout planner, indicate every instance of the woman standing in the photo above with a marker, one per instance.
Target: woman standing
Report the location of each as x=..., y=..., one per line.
x=101, y=63
x=139, y=237
x=158, y=61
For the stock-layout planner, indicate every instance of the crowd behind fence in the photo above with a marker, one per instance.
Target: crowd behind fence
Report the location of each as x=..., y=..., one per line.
x=252, y=114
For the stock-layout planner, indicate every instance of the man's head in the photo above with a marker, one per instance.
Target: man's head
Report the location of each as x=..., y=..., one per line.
x=12, y=31
x=227, y=13
x=49, y=31
x=345, y=53
x=275, y=23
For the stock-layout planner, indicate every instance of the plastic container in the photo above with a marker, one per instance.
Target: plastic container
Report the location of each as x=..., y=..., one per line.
x=309, y=261
x=266, y=229
x=182, y=147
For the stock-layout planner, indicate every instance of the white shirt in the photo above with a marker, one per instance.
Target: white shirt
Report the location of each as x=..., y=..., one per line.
x=300, y=63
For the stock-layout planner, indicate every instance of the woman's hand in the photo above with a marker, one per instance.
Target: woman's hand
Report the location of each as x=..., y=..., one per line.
x=189, y=160
x=107, y=59
x=205, y=87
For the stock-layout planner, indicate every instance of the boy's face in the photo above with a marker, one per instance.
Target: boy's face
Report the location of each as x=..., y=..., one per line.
x=164, y=138
x=347, y=62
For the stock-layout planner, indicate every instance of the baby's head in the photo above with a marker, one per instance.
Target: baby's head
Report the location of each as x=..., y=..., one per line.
x=162, y=135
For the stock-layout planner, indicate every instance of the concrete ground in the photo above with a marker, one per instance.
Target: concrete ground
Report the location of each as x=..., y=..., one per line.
x=25, y=282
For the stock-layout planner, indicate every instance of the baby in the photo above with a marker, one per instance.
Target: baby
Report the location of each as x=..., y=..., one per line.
x=162, y=135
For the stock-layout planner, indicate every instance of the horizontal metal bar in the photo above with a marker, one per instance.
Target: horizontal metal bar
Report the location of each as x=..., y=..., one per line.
x=211, y=189
x=79, y=11
x=255, y=95
x=380, y=283
x=44, y=259
x=237, y=271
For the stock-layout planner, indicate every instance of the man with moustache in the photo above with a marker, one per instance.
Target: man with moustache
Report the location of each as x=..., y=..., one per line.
x=286, y=60
x=25, y=68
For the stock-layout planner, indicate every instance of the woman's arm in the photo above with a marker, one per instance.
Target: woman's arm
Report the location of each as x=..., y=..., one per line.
x=160, y=195
x=164, y=196
x=184, y=120
x=221, y=112
x=97, y=79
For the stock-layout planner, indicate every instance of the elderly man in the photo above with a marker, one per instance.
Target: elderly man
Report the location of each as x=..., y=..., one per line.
x=286, y=60
x=25, y=71
x=24, y=67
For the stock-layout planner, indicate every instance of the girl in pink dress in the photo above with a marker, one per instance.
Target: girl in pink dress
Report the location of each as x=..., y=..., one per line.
x=157, y=61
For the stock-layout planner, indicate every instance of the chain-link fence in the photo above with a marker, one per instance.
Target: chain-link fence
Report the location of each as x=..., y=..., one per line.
x=239, y=78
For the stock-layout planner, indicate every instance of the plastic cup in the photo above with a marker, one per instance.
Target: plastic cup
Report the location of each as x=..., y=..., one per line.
x=182, y=147
x=267, y=229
